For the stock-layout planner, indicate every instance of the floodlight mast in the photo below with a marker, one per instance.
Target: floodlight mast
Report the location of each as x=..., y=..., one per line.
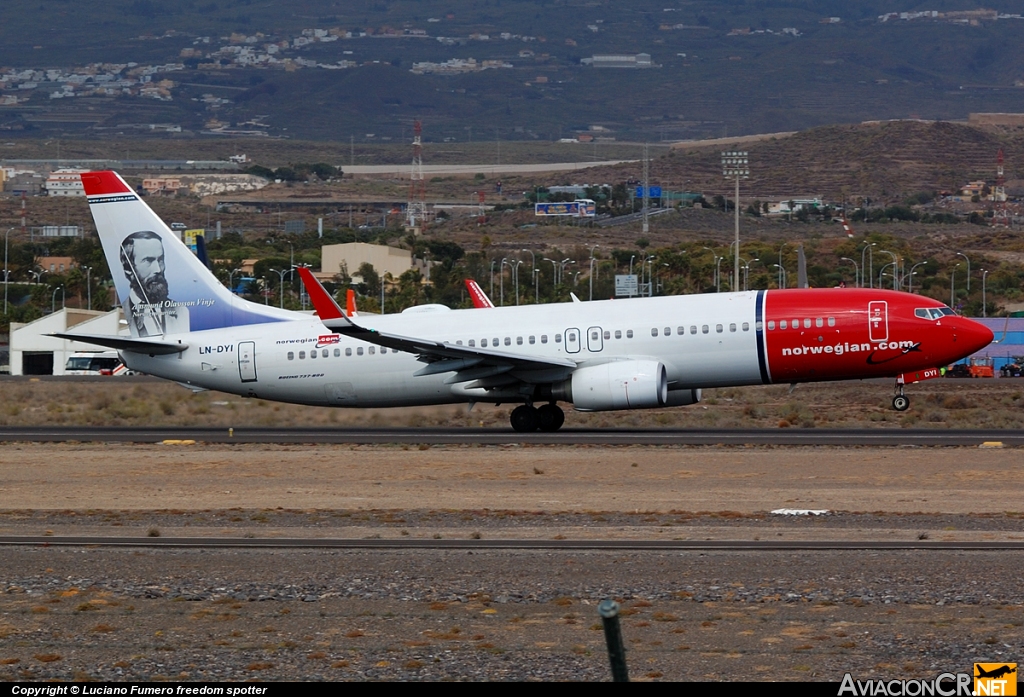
x=735, y=163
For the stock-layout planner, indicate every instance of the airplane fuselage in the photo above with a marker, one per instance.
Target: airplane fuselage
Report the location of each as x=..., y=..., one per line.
x=710, y=340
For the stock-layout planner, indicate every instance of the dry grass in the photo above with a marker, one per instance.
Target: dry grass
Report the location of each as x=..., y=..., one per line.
x=942, y=403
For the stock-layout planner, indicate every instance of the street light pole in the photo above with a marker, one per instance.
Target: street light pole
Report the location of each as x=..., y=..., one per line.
x=501, y=280
x=856, y=269
x=53, y=298
x=735, y=163
x=910, y=276
x=533, y=268
x=984, y=304
x=961, y=254
x=863, y=266
x=952, y=286
x=6, y=280
x=281, y=276
x=592, y=270
x=88, y=283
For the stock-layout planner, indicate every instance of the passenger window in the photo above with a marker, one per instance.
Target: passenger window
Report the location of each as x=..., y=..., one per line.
x=680, y=330
x=383, y=349
x=372, y=350
x=746, y=326
x=595, y=335
x=291, y=355
x=629, y=333
x=312, y=354
x=819, y=322
x=533, y=340
x=359, y=351
x=472, y=342
x=348, y=352
x=483, y=342
x=718, y=328
x=732, y=327
x=654, y=332
x=558, y=338
x=337, y=353
x=302, y=354
x=324, y=353
x=693, y=328
x=495, y=342
x=607, y=335
x=807, y=323
x=782, y=324
x=458, y=342
x=771, y=325
x=519, y=341
x=831, y=321
x=704, y=329
x=618, y=333
x=668, y=331
x=508, y=341
x=543, y=338
x=796, y=324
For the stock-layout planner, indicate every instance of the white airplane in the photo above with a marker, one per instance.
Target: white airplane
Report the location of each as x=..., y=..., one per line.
x=598, y=356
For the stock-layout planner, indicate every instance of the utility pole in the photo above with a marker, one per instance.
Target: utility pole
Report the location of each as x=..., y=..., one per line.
x=646, y=191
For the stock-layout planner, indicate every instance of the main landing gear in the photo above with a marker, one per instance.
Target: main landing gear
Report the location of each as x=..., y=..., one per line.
x=900, y=402
x=547, y=418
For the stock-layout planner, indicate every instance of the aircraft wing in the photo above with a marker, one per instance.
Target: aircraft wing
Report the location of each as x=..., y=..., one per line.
x=125, y=343
x=467, y=362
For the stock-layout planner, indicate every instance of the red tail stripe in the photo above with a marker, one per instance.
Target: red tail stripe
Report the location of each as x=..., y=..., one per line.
x=99, y=183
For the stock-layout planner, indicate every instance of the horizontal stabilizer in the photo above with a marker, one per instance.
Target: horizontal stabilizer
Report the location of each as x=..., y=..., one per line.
x=124, y=343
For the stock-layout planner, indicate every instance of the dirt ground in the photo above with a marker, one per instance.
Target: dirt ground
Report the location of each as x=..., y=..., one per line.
x=550, y=479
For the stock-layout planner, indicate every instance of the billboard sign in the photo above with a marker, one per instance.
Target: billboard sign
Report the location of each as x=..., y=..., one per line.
x=580, y=208
x=655, y=192
x=626, y=285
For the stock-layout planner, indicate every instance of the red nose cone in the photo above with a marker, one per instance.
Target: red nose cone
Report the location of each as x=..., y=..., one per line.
x=974, y=336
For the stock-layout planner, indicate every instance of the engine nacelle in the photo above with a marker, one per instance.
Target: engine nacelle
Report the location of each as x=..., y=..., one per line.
x=682, y=398
x=616, y=385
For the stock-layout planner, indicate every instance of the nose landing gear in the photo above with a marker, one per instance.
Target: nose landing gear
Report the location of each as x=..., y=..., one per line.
x=547, y=418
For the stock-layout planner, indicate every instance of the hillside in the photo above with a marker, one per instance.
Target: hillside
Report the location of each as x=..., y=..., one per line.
x=718, y=68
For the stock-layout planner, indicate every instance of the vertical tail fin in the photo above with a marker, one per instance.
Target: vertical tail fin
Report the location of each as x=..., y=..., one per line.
x=477, y=294
x=162, y=286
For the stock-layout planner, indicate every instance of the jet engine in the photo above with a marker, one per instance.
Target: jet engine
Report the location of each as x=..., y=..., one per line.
x=640, y=384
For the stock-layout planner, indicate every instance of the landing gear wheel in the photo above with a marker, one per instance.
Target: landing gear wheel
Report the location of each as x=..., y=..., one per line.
x=524, y=419
x=550, y=417
x=901, y=402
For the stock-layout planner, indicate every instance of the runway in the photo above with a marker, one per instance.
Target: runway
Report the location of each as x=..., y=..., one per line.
x=514, y=544
x=502, y=436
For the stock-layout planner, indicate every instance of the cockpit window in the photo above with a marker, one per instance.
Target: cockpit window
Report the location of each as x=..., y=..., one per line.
x=933, y=312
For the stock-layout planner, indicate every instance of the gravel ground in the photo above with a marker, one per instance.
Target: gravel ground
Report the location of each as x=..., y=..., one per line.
x=368, y=615
x=232, y=614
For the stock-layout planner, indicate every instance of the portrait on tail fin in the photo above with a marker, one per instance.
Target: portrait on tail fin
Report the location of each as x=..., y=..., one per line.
x=148, y=307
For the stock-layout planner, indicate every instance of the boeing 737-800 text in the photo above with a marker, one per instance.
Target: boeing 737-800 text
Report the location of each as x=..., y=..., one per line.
x=602, y=355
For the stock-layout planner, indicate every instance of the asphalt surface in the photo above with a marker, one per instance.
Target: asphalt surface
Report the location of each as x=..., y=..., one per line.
x=534, y=544
x=485, y=436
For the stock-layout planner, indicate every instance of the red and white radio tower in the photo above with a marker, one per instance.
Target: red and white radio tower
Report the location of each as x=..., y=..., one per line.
x=416, y=209
x=1000, y=215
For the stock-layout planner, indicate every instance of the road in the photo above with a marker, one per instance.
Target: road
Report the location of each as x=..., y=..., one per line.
x=501, y=436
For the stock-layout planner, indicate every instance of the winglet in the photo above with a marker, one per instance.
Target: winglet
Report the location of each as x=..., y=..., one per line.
x=477, y=295
x=328, y=310
x=350, y=303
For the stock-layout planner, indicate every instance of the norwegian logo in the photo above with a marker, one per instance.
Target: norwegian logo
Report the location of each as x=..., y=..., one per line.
x=327, y=340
